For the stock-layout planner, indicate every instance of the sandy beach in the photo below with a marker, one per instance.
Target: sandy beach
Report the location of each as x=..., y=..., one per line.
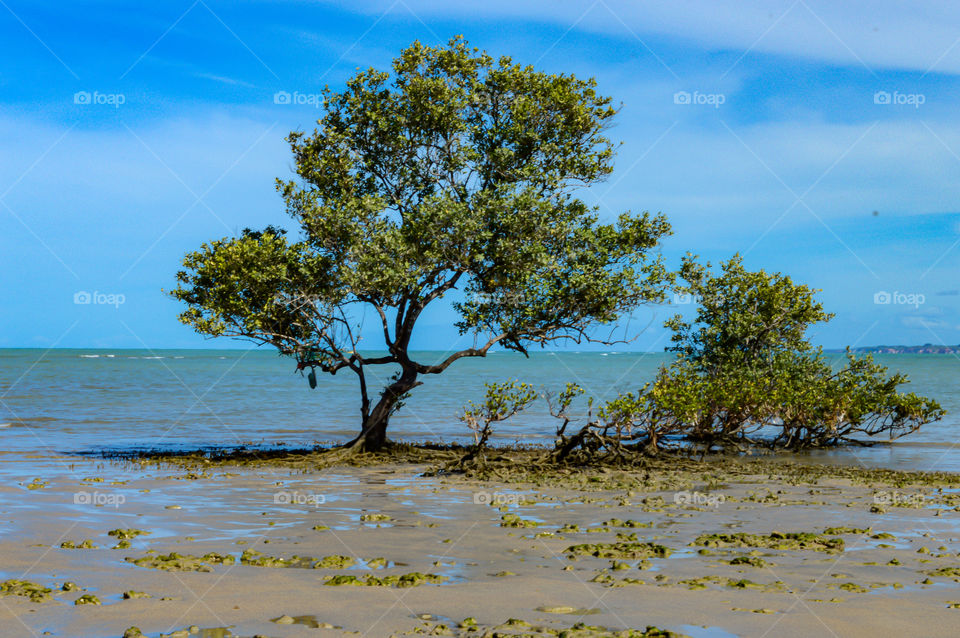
x=273, y=550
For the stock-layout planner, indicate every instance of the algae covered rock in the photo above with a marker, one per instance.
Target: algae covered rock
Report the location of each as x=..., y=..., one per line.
x=412, y=579
x=773, y=540
x=622, y=549
x=174, y=562
x=126, y=534
x=373, y=518
x=36, y=593
x=512, y=520
x=87, y=544
x=131, y=594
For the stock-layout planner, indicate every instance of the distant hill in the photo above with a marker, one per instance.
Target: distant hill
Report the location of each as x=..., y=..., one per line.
x=927, y=348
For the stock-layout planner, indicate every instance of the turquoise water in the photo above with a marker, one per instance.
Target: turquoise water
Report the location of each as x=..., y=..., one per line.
x=88, y=400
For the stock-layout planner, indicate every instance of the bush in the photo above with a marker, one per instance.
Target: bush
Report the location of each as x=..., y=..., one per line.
x=502, y=401
x=745, y=375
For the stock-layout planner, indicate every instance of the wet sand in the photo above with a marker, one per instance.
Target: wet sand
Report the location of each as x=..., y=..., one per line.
x=384, y=551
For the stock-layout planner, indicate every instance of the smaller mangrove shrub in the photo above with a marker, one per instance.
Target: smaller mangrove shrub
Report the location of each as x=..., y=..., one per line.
x=746, y=373
x=745, y=376
x=502, y=401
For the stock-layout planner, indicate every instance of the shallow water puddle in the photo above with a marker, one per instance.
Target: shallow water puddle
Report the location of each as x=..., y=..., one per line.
x=569, y=610
x=204, y=632
x=695, y=631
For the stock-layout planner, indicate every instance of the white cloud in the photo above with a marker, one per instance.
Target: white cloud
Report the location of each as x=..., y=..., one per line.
x=880, y=34
x=727, y=181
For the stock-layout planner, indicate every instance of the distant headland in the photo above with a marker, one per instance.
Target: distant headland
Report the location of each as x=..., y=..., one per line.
x=927, y=348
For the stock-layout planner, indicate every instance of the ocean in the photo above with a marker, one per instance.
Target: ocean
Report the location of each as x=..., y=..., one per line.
x=73, y=401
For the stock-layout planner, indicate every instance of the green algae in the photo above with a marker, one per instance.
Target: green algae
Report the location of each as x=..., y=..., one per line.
x=774, y=540
x=531, y=465
x=87, y=599
x=622, y=549
x=834, y=531
x=126, y=534
x=512, y=520
x=87, y=544
x=616, y=522
x=257, y=559
x=948, y=572
x=851, y=587
x=36, y=593
x=610, y=581
x=412, y=579
x=516, y=627
x=131, y=594
x=174, y=562
x=741, y=583
x=336, y=562
x=370, y=518
x=752, y=561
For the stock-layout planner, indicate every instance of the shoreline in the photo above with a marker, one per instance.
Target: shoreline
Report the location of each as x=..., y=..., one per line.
x=764, y=556
x=504, y=460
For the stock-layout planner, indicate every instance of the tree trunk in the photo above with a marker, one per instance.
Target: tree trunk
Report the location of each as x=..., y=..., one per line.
x=373, y=434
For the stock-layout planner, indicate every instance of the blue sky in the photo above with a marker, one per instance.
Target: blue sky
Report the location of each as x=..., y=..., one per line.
x=820, y=139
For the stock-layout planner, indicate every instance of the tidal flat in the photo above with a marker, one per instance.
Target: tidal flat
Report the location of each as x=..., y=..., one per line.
x=281, y=546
